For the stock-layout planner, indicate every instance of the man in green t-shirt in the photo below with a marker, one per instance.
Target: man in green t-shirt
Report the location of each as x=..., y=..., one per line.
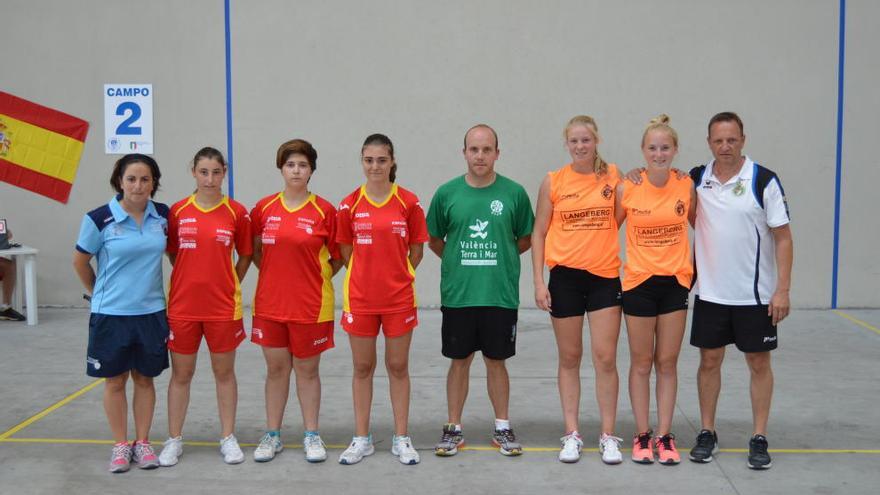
x=479, y=224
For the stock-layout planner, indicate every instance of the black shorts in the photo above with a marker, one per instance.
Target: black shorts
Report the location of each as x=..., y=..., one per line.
x=121, y=343
x=658, y=295
x=489, y=329
x=574, y=292
x=716, y=325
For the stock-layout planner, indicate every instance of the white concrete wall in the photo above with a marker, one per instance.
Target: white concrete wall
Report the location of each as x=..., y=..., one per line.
x=423, y=72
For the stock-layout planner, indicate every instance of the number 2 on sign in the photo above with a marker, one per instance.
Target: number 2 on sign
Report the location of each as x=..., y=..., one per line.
x=125, y=128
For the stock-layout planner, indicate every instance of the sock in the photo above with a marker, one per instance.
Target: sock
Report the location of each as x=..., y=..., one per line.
x=502, y=424
x=575, y=433
x=312, y=433
x=4, y=306
x=274, y=433
x=366, y=439
x=458, y=427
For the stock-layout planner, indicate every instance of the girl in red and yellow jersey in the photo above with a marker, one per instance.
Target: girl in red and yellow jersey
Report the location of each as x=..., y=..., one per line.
x=205, y=298
x=657, y=279
x=295, y=249
x=575, y=235
x=381, y=234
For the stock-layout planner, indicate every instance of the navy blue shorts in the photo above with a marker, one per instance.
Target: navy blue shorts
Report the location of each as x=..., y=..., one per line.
x=118, y=344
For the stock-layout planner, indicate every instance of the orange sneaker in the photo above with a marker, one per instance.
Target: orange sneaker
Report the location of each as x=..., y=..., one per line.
x=643, y=448
x=666, y=451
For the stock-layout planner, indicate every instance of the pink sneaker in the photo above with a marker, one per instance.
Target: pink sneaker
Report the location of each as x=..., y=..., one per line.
x=143, y=455
x=120, y=459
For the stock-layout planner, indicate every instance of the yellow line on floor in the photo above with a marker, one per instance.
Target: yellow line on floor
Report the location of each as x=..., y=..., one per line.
x=479, y=448
x=858, y=321
x=42, y=414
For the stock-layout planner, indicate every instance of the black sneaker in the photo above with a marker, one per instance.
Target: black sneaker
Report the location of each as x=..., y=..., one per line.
x=11, y=314
x=758, y=456
x=706, y=447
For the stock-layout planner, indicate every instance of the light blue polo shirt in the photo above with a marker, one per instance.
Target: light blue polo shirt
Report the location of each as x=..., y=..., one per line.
x=129, y=277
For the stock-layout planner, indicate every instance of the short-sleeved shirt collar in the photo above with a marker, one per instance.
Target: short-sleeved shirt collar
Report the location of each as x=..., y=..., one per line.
x=746, y=172
x=119, y=213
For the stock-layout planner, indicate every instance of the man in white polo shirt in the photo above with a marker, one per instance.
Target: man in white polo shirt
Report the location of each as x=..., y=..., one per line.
x=743, y=250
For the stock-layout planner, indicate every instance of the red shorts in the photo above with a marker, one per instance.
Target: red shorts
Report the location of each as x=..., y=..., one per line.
x=222, y=336
x=393, y=324
x=304, y=340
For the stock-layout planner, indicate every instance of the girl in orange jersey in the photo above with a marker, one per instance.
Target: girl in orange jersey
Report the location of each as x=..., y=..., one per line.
x=381, y=234
x=295, y=249
x=205, y=298
x=657, y=279
x=576, y=237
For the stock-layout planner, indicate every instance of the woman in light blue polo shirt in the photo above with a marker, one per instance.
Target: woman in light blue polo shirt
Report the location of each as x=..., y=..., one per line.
x=127, y=326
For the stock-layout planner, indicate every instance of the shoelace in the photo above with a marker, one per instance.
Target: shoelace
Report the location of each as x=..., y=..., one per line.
x=575, y=441
x=449, y=437
x=665, y=442
x=507, y=436
x=312, y=441
x=612, y=443
x=267, y=443
x=144, y=450
x=760, y=446
x=644, y=440
x=123, y=451
x=705, y=440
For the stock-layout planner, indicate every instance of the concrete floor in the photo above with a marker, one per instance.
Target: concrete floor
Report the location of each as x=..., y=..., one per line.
x=822, y=432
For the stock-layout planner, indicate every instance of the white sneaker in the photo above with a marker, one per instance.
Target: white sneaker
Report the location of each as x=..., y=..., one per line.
x=571, y=448
x=230, y=450
x=360, y=447
x=315, y=449
x=609, y=447
x=401, y=446
x=269, y=446
x=172, y=449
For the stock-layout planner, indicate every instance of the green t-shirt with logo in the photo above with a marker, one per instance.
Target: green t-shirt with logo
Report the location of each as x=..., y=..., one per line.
x=480, y=265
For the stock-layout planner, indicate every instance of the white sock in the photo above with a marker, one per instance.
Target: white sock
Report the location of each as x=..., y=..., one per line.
x=502, y=424
x=4, y=307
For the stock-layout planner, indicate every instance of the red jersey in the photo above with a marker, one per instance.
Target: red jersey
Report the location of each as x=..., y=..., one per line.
x=297, y=245
x=204, y=285
x=380, y=278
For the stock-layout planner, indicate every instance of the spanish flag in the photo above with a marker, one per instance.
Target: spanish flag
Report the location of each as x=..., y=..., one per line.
x=40, y=147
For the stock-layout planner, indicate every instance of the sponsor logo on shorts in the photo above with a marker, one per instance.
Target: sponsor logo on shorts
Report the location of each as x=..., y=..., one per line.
x=257, y=333
x=170, y=335
x=348, y=317
x=769, y=339
x=239, y=332
x=94, y=362
x=409, y=319
x=513, y=333
x=320, y=341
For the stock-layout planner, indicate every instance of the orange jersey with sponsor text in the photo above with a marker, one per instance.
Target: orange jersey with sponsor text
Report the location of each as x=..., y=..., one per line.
x=657, y=231
x=380, y=278
x=297, y=244
x=204, y=285
x=583, y=231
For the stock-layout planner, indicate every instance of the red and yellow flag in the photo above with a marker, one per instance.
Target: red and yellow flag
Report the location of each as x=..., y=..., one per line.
x=40, y=147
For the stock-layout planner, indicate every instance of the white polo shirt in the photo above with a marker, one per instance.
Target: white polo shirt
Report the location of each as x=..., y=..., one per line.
x=734, y=247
